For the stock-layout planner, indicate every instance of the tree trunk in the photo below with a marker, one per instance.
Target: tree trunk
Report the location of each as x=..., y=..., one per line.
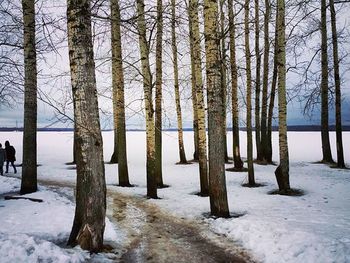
x=194, y=106
x=326, y=147
x=194, y=94
x=89, y=219
x=29, y=168
x=217, y=182
x=74, y=146
x=272, y=103
x=119, y=89
x=338, y=122
x=282, y=171
x=238, y=164
x=182, y=154
x=147, y=86
x=251, y=178
x=223, y=72
x=114, y=157
x=257, y=83
x=264, y=139
x=158, y=115
x=202, y=144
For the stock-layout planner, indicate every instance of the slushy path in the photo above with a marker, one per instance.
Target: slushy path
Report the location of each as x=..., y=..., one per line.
x=158, y=237
x=155, y=236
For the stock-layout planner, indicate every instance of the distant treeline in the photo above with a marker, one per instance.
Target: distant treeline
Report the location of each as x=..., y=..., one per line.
x=301, y=128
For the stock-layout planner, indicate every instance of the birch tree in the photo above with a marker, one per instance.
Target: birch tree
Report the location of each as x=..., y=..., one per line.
x=272, y=102
x=264, y=139
x=338, y=118
x=251, y=179
x=223, y=71
x=326, y=147
x=89, y=220
x=147, y=86
x=158, y=110
x=217, y=181
x=238, y=163
x=118, y=89
x=194, y=93
x=114, y=157
x=194, y=99
x=282, y=171
x=257, y=81
x=29, y=168
x=182, y=153
x=202, y=140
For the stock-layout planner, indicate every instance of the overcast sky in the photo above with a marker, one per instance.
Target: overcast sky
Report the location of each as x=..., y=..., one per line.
x=56, y=63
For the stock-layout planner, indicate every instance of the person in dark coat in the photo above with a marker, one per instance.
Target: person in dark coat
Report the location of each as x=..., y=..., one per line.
x=10, y=156
x=2, y=159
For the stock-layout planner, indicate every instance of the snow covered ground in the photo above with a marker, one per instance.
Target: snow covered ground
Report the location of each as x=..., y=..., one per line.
x=311, y=228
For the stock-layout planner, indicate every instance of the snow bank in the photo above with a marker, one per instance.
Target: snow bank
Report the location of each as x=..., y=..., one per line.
x=37, y=232
x=27, y=248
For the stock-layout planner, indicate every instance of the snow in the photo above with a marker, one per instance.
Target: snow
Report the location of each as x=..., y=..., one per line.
x=314, y=227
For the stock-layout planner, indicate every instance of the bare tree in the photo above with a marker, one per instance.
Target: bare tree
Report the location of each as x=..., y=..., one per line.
x=193, y=84
x=272, y=102
x=118, y=86
x=158, y=109
x=326, y=147
x=238, y=163
x=282, y=171
x=223, y=71
x=116, y=78
x=147, y=86
x=264, y=136
x=182, y=153
x=338, y=122
x=257, y=81
x=202, y=144
x=251, y=178
x=29, y=168
x=89, y=220
x=217, y=183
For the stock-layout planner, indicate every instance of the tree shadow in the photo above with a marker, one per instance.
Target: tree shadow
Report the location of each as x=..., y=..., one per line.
x=109, y=162
x=162, y=186
x=21, y=165
x=154, y=198
x=290, y=192
x=264, y=162
x=237, y=170
x=183, y=163
x=256, y=185
x=200, y=194
x=335, y=166
x=118, y=185
x=324, y=162
x=208, y=215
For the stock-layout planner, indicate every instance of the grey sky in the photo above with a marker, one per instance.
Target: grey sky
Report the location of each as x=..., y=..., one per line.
x=58, y=63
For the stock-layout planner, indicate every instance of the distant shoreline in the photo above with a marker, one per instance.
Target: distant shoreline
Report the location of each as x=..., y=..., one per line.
x=296, y=128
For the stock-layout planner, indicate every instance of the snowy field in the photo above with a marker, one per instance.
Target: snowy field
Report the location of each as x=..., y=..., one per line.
x=310, y=228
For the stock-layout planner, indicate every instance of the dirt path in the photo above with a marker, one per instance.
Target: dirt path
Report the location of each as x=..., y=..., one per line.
x=155, y=236
x=158, y=237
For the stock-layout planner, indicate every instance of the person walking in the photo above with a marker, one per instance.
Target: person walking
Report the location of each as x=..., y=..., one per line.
x=2, y=159
x=10, y=156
